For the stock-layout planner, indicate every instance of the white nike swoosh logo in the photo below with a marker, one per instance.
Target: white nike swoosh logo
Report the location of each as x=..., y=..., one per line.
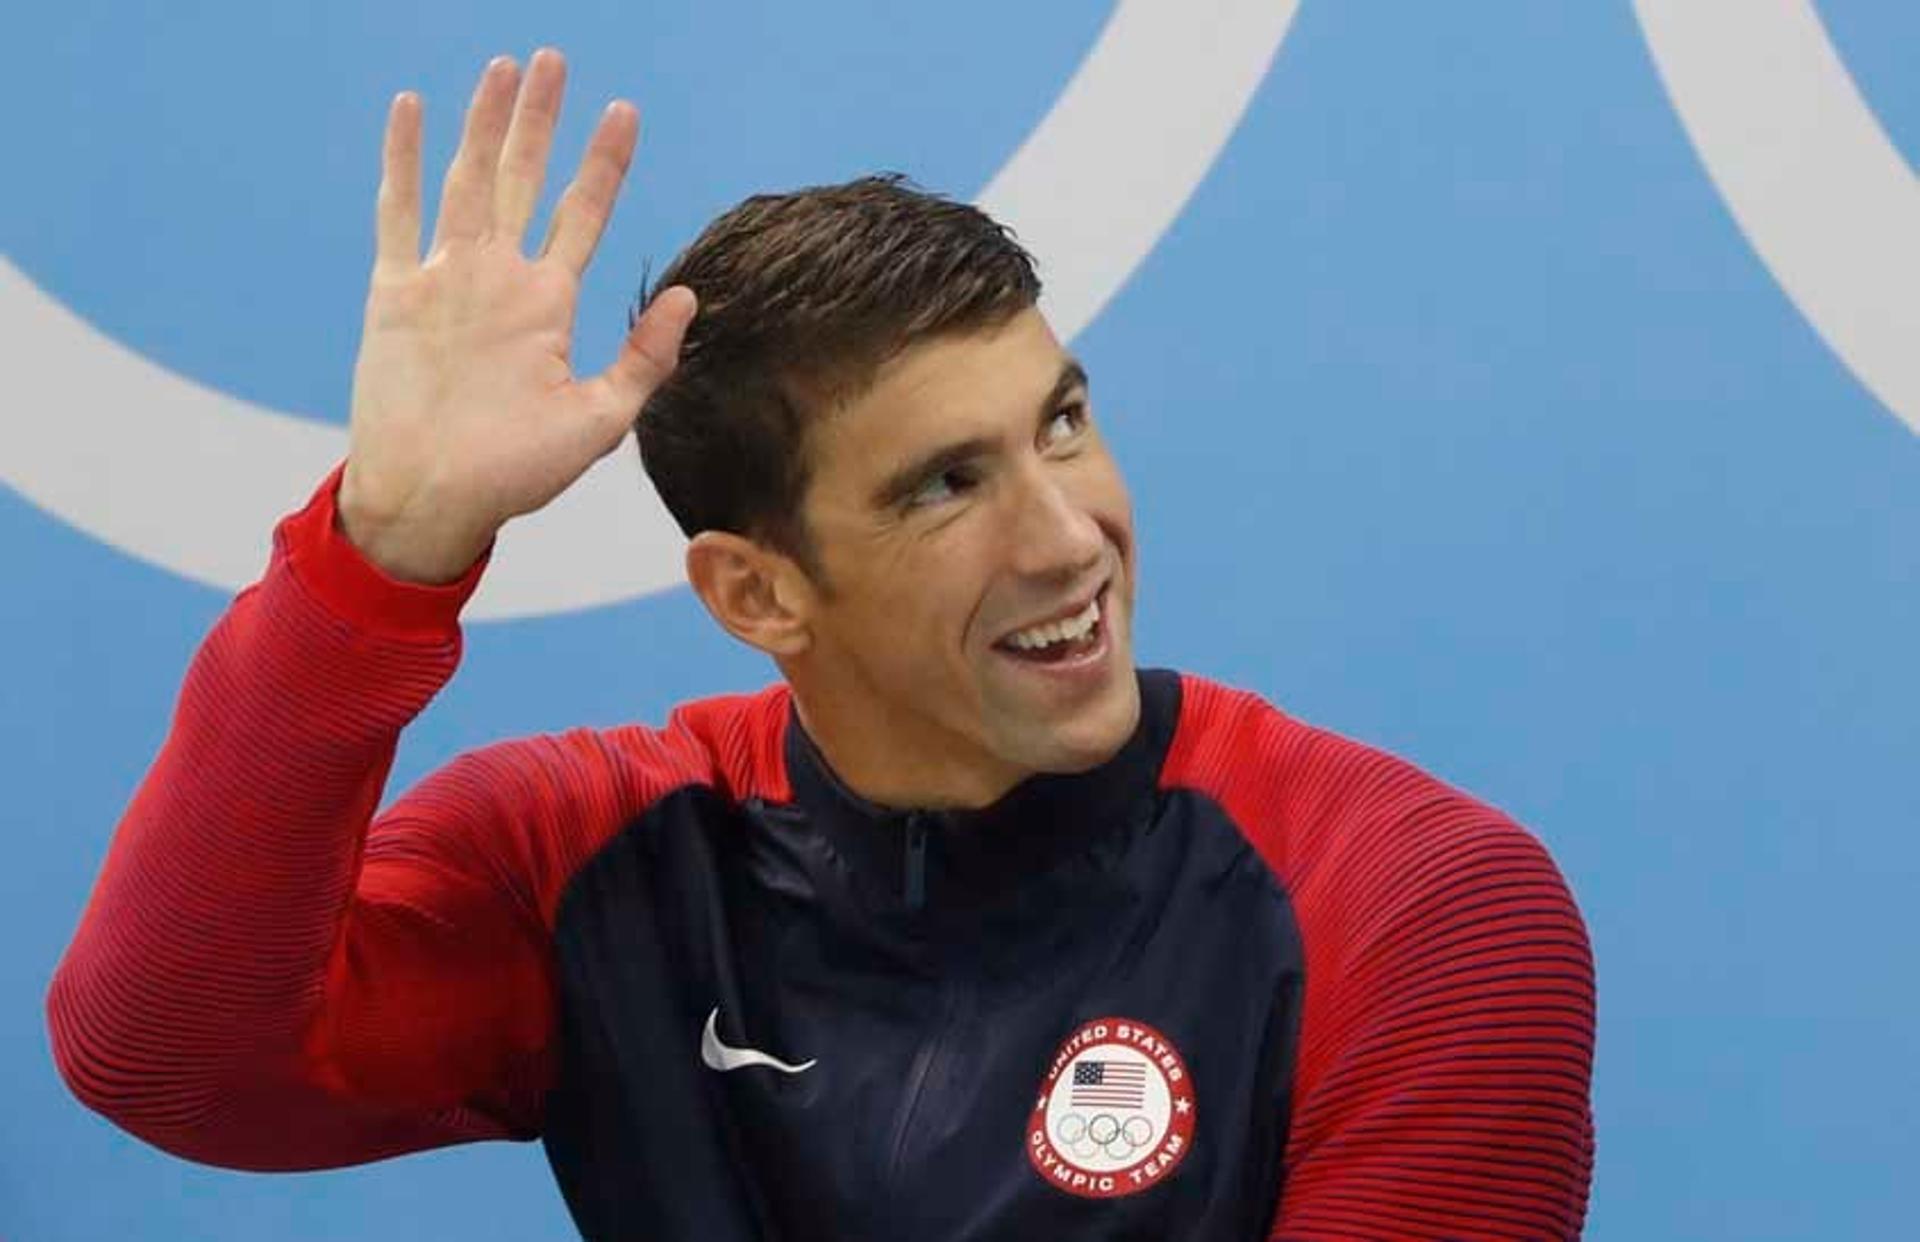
x=719, y=1056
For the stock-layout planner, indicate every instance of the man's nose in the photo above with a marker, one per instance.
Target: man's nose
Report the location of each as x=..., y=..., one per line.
x=1054, y=534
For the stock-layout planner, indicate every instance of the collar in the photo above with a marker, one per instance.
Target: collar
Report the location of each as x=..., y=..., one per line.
x=921, y=860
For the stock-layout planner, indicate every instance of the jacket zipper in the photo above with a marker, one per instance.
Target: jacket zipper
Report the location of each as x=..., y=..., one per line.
x=923, y=1063
x=913, y=885
x=914, y=881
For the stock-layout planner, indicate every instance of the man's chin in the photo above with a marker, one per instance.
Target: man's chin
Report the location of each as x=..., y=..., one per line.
x=1085, y=738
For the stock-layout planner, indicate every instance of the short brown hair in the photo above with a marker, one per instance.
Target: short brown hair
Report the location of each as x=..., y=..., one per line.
x=802, y=297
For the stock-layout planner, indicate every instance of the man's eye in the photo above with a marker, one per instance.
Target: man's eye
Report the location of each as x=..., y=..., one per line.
x=940, y=487
x=1067, y=422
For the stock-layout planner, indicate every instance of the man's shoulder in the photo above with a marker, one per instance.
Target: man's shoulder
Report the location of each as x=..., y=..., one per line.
x=534, y=809
x=1308, y=798
x=730, y=742
x=1233, y=741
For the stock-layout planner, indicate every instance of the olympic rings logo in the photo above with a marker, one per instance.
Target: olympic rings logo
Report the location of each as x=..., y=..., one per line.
x=1103, y=1133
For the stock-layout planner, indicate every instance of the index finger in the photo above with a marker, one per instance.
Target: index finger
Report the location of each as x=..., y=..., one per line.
x=581, y=215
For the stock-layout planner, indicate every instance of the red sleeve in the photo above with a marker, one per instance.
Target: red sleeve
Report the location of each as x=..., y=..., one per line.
x=1443, y=1078
x=263, y=981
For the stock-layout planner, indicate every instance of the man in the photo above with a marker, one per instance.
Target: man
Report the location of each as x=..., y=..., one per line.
x=967, y=930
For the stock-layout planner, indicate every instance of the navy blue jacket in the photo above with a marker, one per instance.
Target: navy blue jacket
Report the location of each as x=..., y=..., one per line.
x=1245, y=979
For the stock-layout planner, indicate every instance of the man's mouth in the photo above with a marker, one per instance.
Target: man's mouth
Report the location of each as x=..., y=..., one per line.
x=1061, y=639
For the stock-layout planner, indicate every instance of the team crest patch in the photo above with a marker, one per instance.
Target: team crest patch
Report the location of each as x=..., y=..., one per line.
x=1115, y=1114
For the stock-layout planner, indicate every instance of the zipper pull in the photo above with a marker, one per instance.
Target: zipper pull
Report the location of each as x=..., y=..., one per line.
x=915, y=886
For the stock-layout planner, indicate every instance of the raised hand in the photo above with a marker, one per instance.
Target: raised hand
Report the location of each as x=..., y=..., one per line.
x=466, y=411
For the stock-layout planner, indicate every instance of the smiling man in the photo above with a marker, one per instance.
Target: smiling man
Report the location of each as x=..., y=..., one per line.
x=967, y=928
x=951, y=605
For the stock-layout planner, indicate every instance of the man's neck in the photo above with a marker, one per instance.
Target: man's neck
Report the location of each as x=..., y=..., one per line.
x=891, y=762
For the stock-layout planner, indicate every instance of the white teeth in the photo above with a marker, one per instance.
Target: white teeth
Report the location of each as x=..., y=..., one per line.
x=1072, y=629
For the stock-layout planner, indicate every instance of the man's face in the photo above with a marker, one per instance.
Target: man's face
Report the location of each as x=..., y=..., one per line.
x=976, y=545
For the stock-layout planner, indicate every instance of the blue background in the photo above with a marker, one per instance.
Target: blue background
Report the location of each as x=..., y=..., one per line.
x=1459, y=416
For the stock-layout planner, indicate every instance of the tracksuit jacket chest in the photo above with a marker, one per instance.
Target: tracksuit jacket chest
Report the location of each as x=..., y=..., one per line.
x=739, y=1003
x=1070, y=1015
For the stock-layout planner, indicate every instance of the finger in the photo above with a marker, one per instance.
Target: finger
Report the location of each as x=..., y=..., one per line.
x=466, y=200
x=397, y=209
x=581, y=214
x=649, y=354
x=523, y=160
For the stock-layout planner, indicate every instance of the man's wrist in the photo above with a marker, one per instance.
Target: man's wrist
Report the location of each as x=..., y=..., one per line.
x=342, y=578
x=406, y=548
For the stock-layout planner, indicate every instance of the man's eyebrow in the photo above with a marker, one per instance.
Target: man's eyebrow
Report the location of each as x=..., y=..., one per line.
x=908, y=478
x=1072, y=376
x=903, y=482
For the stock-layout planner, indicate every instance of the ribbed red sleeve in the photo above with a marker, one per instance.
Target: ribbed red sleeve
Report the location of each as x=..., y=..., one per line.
x=260, y=979
x=1443, y=1079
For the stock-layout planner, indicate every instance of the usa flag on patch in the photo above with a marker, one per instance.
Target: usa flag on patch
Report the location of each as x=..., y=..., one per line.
x=1109, y=1084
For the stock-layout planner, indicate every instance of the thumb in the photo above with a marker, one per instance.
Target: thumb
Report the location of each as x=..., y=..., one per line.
x=651, y=350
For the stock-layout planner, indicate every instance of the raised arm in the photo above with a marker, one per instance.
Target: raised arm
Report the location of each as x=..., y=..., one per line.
x=260, y=979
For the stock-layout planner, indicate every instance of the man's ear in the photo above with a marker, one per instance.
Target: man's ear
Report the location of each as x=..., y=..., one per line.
x=756, y=594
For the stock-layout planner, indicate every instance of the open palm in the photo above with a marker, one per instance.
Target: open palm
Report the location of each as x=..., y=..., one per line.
x=466, y=411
